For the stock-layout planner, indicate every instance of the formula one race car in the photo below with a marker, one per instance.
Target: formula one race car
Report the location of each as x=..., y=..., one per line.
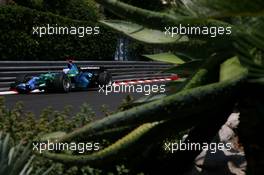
x=70, y=78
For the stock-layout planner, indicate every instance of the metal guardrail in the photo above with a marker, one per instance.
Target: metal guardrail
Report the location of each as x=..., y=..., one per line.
x=120, y=70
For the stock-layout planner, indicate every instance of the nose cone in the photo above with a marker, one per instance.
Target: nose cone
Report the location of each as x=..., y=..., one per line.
x=21, y=86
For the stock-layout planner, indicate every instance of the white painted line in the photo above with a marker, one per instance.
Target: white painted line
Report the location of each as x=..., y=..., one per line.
x=122, y=83
x=36, y=91
x=8, y=93
x=15, y=92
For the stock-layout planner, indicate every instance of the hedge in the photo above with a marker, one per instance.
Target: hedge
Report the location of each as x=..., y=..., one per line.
x=18, y=43
x=75, y=9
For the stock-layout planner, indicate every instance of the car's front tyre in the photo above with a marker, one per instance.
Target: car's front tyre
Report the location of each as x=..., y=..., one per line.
x=61, y=83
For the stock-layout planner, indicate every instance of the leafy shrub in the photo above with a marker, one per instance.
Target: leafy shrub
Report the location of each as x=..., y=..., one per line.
x=18, y=43
x=36, y=4
x=75, y=9
x=24, y=126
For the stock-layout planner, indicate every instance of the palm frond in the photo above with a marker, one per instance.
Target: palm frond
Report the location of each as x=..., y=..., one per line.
x=222, y=9
x=142, y=33
x=16, y=159
x=155, y=20
x=250, y=48
x=166, y=57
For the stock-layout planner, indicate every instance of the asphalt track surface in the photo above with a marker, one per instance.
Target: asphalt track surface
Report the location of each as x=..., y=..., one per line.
x=37, y=102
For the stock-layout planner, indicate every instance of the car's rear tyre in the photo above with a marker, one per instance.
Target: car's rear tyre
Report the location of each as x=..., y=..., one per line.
x=105, y=78
x=61, y=83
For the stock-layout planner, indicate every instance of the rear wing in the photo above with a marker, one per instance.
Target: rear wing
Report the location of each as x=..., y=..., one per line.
x=95, y=69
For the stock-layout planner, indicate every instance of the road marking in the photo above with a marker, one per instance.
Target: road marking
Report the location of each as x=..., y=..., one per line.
x=8, y=93
x=142, y=81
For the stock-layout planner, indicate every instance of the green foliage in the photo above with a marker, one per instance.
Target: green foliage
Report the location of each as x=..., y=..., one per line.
x=18, y=43
x=166, y=57
x=140, y=33
x=75, y=9
x=217, y=8
x=16, y=159
x=82, y=118
x=108, y=154
x=126, y=103
x=250, y=49
x=35, y=4
x=105, y=110
x=185, y=70
x=26, y=127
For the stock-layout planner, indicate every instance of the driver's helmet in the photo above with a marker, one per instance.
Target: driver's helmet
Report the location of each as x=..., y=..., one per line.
x=72, y=70
x=66, y=70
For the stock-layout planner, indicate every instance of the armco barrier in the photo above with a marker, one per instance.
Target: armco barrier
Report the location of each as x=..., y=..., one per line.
x=121, y=70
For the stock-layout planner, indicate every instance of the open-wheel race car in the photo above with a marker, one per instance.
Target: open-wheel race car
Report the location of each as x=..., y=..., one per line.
x=70, y=78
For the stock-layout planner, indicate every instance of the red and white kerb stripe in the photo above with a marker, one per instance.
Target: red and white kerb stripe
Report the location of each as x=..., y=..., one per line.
x=144, y=81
